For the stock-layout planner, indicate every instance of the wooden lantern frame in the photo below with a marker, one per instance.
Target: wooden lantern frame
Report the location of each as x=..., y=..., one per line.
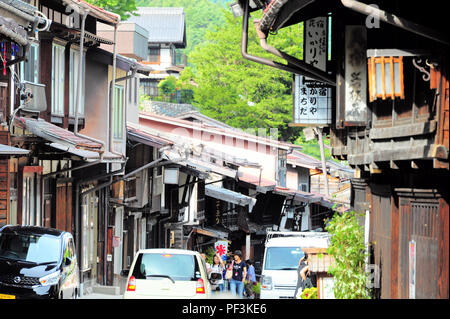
x=383, y=61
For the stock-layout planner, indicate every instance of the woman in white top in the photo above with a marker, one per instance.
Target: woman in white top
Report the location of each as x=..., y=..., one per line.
x=218, y=267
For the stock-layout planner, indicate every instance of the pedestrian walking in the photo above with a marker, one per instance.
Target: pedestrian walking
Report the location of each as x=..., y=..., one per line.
x=250, y=279
x=239, y=274
x=227, y=274
x=218, y=267
x=303, y=279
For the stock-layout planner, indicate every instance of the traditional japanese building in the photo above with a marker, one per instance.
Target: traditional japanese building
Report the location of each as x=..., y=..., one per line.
x=385, y=66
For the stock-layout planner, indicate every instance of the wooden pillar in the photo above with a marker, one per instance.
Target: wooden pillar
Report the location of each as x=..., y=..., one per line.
x=443, y=262
x=4, y=178
x=394, y=245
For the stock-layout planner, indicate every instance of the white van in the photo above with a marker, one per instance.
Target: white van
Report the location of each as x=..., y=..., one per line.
x=283, y=251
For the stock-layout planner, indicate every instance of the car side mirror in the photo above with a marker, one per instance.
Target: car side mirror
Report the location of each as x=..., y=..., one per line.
x=216, y=276
x=125, y=272
x=67, y=261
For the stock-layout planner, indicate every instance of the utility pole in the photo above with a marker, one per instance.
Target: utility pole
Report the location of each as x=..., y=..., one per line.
x=322, y=155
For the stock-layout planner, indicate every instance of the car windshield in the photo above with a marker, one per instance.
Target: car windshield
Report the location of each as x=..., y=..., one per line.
x=283, y=258
x=157, y=265
x=30, y=247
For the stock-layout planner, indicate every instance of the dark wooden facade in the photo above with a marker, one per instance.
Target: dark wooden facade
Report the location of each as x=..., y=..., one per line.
x=401, y=154
x=400, y=147
x=4, y=181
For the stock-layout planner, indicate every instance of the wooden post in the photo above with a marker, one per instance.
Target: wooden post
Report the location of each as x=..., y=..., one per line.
x=322, y=155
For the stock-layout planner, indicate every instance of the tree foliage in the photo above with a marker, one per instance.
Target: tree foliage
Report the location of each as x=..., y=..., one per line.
x=168, y=85
x=348, y=250
x=229, y=88
x=124, y=8
x=239, y=92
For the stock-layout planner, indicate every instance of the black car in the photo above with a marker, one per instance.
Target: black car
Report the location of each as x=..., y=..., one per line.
x=37, y=262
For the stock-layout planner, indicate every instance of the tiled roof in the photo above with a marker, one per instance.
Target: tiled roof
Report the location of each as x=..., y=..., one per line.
x=22, y=6
x=89, y=156
x=15, y=32
x=168, y=109
x=139, y=135
x=164, y=25
x=94, y=11
x=262, y=184
x=146, y=116
x=182, y=111
x=303, y=160
x=10, y=150
x=56, y=134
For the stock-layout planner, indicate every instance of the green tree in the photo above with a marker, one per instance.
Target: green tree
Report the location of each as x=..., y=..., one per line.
x=239, y=92
x=348, y=250
x=186, y=80
x=168, y=86
x=124, y=8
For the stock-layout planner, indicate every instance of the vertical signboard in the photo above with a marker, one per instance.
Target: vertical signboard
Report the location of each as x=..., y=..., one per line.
x=312, y=99
x=312, y=102
x=412, y=269
x=355, y=74
x=316, y=42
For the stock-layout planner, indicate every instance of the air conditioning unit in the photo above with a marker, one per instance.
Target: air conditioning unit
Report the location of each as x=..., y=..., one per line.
x=33, y=97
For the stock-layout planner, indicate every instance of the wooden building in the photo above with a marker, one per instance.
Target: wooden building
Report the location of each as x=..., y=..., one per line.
x=319, y=264
x=15, y=24
x=166, y=29
x=387, y=67
x=70, y=119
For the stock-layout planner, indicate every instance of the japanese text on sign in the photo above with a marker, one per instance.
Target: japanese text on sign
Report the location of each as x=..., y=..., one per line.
x=312, y=102
x=316, y=42
x=355, y=74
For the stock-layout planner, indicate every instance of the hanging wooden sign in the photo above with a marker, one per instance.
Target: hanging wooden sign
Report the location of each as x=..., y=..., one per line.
x=312, y=103
x=316, y=42
x=355, y=75
x=312, y=99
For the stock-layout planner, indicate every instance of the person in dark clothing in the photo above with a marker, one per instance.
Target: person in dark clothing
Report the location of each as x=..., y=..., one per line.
x=250, y=280
x=303, y=280
x=239, y=274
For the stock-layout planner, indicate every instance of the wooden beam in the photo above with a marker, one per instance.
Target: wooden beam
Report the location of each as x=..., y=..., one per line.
x=357, y=172
x=396, y=52
x=403, y=130
x=374, y=169
x=437, y=163
x=393, y=165
x=439, y=151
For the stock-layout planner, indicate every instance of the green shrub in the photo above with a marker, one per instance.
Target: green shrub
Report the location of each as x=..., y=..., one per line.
x=349, y=252
x=309, y=293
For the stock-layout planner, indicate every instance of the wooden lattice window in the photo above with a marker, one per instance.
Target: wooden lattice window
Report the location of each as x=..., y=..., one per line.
x=386, y=78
